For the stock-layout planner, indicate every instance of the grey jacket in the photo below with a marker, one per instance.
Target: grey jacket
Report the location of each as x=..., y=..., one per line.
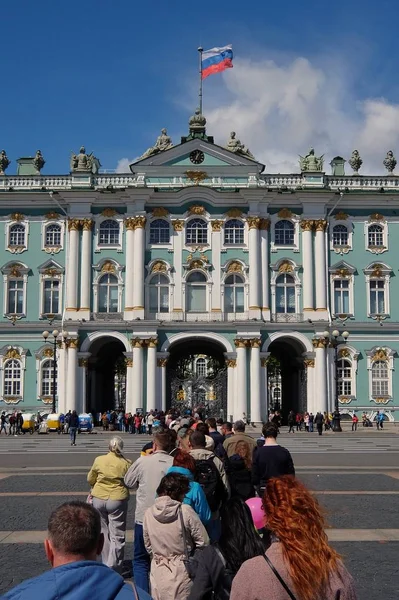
x=144, y=476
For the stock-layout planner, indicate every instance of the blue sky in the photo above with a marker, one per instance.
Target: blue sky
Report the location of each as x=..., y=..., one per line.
x=110, y=75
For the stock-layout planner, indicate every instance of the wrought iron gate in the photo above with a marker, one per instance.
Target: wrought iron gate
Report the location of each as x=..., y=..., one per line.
x=199, y=392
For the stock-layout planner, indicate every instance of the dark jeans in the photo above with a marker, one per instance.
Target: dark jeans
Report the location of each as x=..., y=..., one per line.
x=320, y=428
x=141, y=560
x=354, y=426
x=291, y=429
x=72, y=433
x=149, y=429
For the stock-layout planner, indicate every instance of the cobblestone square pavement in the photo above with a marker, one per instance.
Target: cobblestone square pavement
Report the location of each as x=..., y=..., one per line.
x=354, y=475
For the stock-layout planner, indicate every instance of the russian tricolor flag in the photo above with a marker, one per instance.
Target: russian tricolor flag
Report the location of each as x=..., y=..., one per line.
x=216, y=60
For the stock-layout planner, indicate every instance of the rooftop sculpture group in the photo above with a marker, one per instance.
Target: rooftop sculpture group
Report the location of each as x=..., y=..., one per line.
x=83, y=162
x=310, y=162
x=162, y=143
x=235, y=145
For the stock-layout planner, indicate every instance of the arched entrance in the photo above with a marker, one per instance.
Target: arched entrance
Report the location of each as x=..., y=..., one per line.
x=287, y=376
x=197, y=377
x=106, y=375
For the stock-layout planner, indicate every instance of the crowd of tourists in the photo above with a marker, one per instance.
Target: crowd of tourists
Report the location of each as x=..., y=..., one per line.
x=218, y=515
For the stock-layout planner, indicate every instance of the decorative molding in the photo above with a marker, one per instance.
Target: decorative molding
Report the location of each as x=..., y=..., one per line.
x=379, y=354
x=52, y=272
x=234, y=267
x=216, y=225
x=320, y=225
x=309, y=363
x=159, y=267
x=307, y=225
x=253, y=222
x=381, y=400
x=48, y=352
x=160, y=211
x=15, y=270
x=178, y=225
x=108, y=212
x=196, y=209
x=285, y=267
x=17, y=217
x=344, y=400
x=196, y=264
x=234, y=213
x=340, y=216
x=196, y=177
x=264, y=224
x=376, y=217
x=342, y=272
x=12, y=353
x=11, y=399
x=285, y=213
x=47, y=400
x=344, y=353
x=378, y=270
x=52, y=215
x=108, y=267
x=73, y=224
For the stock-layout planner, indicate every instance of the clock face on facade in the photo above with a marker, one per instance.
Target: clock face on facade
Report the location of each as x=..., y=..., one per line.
x=197, y=157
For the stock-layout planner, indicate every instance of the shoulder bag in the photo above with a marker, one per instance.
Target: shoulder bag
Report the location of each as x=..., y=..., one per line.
x=190, y=560
x=277, y=574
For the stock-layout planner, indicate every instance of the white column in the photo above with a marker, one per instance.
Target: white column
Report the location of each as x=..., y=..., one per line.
x=320, y=403
x=85, y=266
x=310, y=391
x=137, y=386
x=151, y=374
x=129, y=382
x=72, y=400
x=216, y=245
x=177, y=302
x=138, y=267
x=82, y=401
x=320, y=266
x=307, y=250
x=265, y=395
x=161, y=402
x=72, y=265
x=231, y=368
x=264, y=259
x=61, y=379
x=241, y=405
x=129, y=273
x=254, y=267
x=256, y=413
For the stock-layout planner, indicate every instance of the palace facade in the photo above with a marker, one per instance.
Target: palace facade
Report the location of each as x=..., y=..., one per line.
x=197, y=252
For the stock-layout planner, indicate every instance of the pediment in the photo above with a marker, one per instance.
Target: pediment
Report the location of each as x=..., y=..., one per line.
x=178, y=157
x=51, y=265
x=343, y=266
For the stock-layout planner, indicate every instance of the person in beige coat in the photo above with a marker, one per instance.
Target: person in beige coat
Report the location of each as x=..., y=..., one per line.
x=163, y=539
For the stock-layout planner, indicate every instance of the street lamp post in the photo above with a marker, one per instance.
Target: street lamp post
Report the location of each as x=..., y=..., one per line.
x=55, y=335
x=334, y=340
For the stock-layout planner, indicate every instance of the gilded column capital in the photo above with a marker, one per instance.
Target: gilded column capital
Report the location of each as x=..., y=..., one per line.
x=74, y=343
x=240, y=343
x=255, y=342
x=307, y=225
x=264, y=224
x=264, y=362
x=129, y=362
x=152, y=342
x=320, y=225
x=253, y=222
x=231, y=363
x=83, y=362
x=162, y=362
x=87, y=224
x=319, y=343
x=137, y=342
x=178, y=225
x=139, y=222
x=309, y=362
x=73, y=224
x=129, y=223
x=216, y=225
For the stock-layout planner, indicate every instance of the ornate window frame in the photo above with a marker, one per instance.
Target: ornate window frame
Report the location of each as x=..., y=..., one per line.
x=382, y=272
x=244, y=243
x=285, y=215
x=281, y=267
x=376, y=219
x=236, y=267
x=16, y=219
x=14, y=271
x=53, y=249
x=51, y=270
x=349, y=353
x=158, y=267
x=195, y=245
x=381, y=353
x=110, y=215
x=104, y=267
x=150, y=221
x=343, y=271
x=18, y=353
x=208, y=290
x=42, y=355
x=341, y=219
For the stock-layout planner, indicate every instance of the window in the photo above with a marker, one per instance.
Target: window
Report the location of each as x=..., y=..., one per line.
x=200, y=367
x=109, y=233
x=15, y=299
x=51, y=296
x=12, y=378
x=48, y=378
x=53, y=235
x=159, y=232
x=233, y=294
x=341, y=297
x=285, y=294
x=344, y=377
x=340, y=235
x=108, y=294
x=17, y=235
x=377, y=296
x=375, y=236
x=379, y=378
x=159, y=294
x=234, y=232
x=197, y=232
x=196, y=292
x=284, y=233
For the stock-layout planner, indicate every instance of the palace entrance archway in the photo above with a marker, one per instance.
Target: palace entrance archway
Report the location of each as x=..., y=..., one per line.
x=196, y=377
x=106, y=375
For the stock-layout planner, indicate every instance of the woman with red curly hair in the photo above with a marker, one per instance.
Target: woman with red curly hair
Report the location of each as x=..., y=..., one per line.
x=300, y=564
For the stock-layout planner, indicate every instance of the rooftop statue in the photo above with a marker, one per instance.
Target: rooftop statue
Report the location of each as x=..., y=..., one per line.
x=84, y=162
x=4, y=162
x=390, y=162
x=38, y=162
x=310, y=162
x=235, y=145
x=197, y=122
x=355, y=162
x=163, y=143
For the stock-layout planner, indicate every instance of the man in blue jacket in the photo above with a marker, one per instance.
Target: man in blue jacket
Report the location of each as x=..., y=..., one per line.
x=73, y=545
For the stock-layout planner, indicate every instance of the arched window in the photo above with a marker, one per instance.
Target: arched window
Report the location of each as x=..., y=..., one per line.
x=200, y=367
x=15, y=296
x=344, y=379
x=17, y=235
x=375, y=236
x=53, y=235
x=285, y=294
x=51, y=303
x=379, y=378
x=47, y=383
x=234, y=232
x=197, y=232
x=284, y=233
x=109, y=233
x=234, y=294
x=340, y=235
x=196, y=292
x=12, y=378
x=108, y=294
x=159, y=232
x=159, y=294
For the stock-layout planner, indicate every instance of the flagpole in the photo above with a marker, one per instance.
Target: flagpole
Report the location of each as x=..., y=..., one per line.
x=200, y=50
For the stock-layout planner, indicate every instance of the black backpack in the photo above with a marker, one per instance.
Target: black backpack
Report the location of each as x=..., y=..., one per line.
x=209, y=478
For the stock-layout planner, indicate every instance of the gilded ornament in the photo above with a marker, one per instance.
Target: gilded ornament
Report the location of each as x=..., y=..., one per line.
x=129, y=362
x=204, y=258
x=47, y=400
x=158, y=267
x=181, y=394
x=196, y=177
x=83, y=362
x=178, y=225
x=108, y=212
x=264, y=224
x=381, y=400
x=285, y=213
x=285, y=267
x=255, y=342
x=376, y=217
x=377, y=270
x=234, y=267
x=108, y=267
x=12, y=353
x=340, y=216
x=321, y=225
x=216, y=225
x=15, y=270
x=196, y=264
x=307, y=225
x=309, y=363
x=160, y=211
x=87, y=224
x=48, y=352
x=137, y=342
x=52, y=215
x=189, y=257
x=74, y=343
x=152, y=342
x=129, y=224
x=253, y=222
x=319, y=343
x=73, y=224
x=211, y=395
x=17, y=217
x=139, y=222
x=231, y=363
x=162, y=362
x=264, y=362
x=11, y=399
x=343, y=272
x=52, y=272
x=196, y=209
x=379, y=354
x=233, y=213
x=344, y=353
x=240, y=343
x=344, y=400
